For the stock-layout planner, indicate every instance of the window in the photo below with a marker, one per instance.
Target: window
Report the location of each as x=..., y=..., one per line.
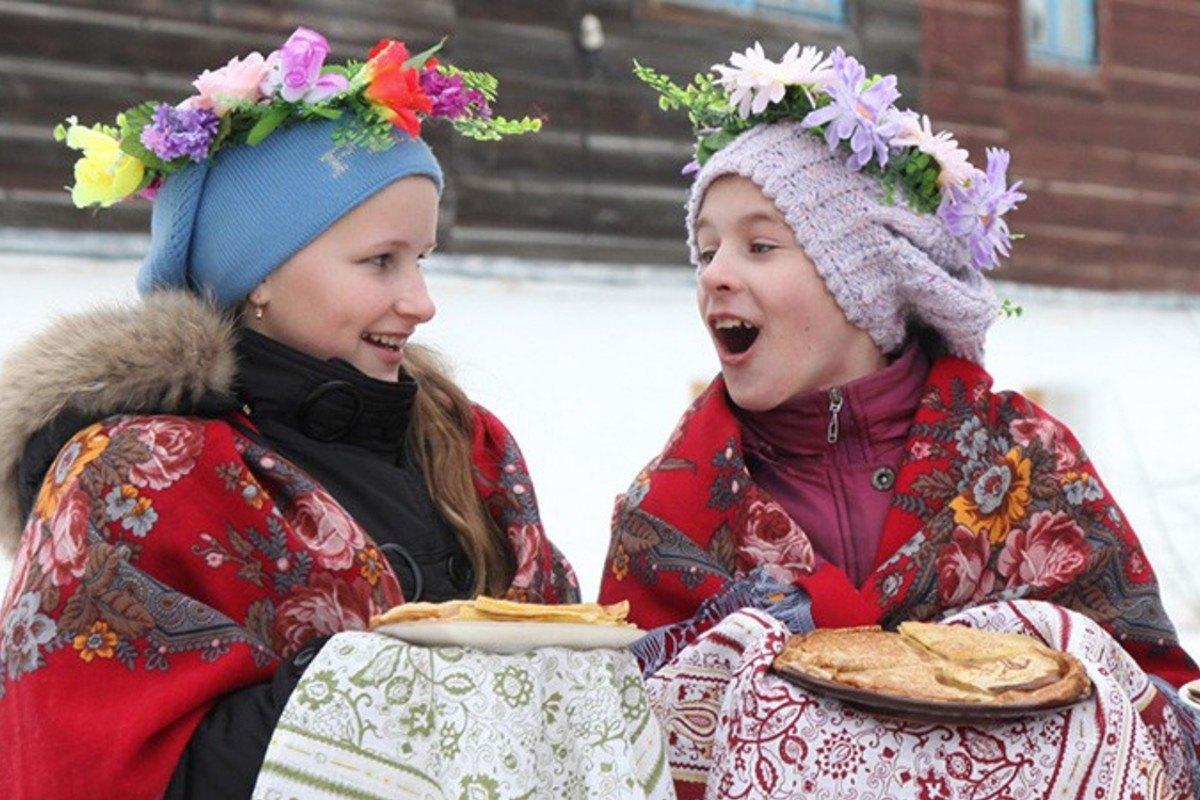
x=827, y=10
x=1061, y=32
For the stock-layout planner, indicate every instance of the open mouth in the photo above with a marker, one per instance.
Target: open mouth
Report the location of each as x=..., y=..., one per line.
x=385, y=341
x=735, y=335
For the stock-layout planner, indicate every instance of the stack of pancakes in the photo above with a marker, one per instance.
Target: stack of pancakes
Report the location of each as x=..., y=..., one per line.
x=493, y=610
x=940, y=663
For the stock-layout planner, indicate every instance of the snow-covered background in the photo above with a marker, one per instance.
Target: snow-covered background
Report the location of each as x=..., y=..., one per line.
x=591, y=366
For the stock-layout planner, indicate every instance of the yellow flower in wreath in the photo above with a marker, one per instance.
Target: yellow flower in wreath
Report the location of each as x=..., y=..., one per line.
x=106, y=173
x=997, y=499
x=96, y=643
x=83, y=448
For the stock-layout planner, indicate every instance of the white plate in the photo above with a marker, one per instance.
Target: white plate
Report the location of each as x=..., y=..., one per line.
x=1187, y=697
x=493, y=636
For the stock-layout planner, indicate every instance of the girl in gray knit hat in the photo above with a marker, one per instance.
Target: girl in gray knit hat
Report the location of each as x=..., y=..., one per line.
x=851, y=465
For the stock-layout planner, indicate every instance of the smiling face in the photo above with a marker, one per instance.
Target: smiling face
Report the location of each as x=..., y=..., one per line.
x=356, y=292
x=777, y=329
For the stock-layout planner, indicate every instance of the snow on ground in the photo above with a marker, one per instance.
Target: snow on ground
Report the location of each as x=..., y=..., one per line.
x=591, y=366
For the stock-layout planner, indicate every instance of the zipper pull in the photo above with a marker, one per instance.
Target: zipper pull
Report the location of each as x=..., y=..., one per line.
x=835, y=405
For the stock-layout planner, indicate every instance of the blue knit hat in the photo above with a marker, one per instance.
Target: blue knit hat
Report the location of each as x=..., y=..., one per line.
x=220, y=227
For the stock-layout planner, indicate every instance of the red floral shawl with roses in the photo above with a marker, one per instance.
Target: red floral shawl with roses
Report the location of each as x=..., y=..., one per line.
x=170, y=560
x=994, y=500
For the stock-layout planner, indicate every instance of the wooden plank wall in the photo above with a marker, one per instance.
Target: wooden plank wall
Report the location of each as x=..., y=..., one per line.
x=601, y=183
x=93, y=58
x=1110, y=158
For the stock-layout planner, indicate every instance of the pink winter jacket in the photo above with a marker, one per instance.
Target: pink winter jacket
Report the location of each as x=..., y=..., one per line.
x=830, y=457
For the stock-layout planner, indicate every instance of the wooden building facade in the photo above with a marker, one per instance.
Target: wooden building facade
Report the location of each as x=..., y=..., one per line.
x=1109, y=149
x=1107, y=141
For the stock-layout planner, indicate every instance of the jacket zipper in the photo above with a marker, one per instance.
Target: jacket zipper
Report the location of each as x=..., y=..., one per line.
x=835, y=406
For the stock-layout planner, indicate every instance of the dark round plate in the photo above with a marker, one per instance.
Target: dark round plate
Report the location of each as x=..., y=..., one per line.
x=922, y=710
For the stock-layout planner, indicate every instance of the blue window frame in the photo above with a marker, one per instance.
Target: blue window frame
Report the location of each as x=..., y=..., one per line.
x=825, y=10
x=1061, y=32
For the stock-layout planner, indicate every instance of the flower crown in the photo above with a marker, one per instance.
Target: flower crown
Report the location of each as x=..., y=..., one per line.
x=833, y=98
x=248, y=98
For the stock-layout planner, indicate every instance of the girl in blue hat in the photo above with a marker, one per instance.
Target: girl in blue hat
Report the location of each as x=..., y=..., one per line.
x=201, y=489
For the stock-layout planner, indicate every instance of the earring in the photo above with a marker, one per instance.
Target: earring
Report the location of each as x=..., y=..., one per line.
x=260, y=309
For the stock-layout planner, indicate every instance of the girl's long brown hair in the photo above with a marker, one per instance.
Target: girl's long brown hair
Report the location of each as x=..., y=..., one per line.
x=439, y=437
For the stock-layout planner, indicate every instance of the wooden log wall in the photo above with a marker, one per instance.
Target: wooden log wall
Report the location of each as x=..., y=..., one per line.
x=1110, y=157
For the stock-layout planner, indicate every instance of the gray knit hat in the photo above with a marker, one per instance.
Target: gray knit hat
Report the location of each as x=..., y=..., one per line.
x=886, y=266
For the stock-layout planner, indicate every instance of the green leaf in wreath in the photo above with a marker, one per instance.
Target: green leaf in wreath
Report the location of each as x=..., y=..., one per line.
x=418, y=61
x=719, y=139
x=131, y=123
x=267, y=123
x=324, y=111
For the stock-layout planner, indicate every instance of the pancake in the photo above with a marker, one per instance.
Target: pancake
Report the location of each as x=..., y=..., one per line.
x=938, y=663
x=494, y=610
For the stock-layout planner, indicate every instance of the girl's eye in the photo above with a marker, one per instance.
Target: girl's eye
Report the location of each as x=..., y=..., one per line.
x=381, y=260
x=706, y=256
x=759, y=248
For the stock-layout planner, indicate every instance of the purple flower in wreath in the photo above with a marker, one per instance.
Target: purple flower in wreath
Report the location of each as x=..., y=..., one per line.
x=975, y=212
x=860, y=113
x=177, y=132
x=452, y=98
x=294, y=71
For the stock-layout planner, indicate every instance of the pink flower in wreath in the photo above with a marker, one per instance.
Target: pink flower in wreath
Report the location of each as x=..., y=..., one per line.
x=1050, y=554
x=235, y=83
x=323, y=525
x=63, y=555
x=772, y=539
x=962, y=568
x=1049, y=434
x=326, y=606
x=174, y=443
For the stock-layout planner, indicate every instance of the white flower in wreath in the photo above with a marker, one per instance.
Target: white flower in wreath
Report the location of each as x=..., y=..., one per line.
x=808, y=68
x=755, y=81
x=916, y=131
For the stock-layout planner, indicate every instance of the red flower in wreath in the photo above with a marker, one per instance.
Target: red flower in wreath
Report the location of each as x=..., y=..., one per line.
x=394, y=89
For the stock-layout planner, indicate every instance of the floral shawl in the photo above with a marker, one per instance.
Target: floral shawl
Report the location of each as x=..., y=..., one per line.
x=170, y=560
x=994, y=500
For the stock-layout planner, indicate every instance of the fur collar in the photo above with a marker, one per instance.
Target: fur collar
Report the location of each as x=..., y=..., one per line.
x=159, y=355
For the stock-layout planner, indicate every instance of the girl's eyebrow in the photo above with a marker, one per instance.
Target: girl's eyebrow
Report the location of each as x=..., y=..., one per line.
x=746, y=219
x=760, y=216
x=393, y=244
